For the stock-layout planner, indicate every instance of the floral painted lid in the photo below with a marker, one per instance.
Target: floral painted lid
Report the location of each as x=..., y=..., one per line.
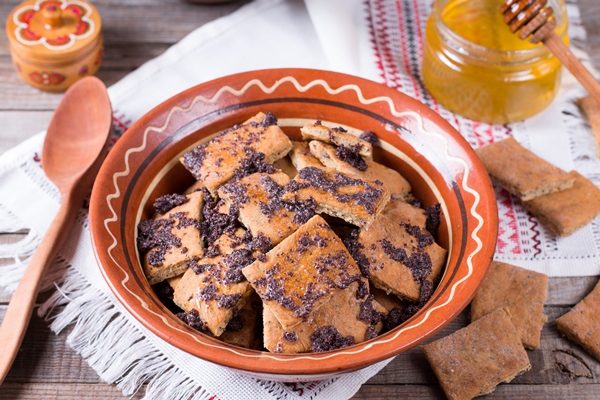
x=54, y=30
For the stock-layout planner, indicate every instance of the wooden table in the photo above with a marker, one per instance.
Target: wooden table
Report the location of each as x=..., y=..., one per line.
x=138, y=30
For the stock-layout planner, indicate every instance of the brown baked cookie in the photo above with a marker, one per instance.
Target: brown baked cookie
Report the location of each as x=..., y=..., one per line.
x=582, y=324
x=338, y=136
x=522, y=291
x=214, y=286
x=591, y=108
x=566, y=211
x=174, y=281
x=301, y=157
x=172, y=238
x=367, y=170
x=194, y=188
x=387, y=301
x=261, y=210
x=302, y=272
x=474, y=360
x=286, y=166
x=399, y=256
x=249, y=146
x=241, y=329
x=344, y=316
x=353, y=200
x=521, y=172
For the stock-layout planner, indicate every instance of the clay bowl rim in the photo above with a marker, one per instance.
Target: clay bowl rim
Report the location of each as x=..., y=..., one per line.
x=411, y=122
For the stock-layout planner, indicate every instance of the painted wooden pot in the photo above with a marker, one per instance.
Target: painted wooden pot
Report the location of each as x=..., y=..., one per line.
x=53, y=43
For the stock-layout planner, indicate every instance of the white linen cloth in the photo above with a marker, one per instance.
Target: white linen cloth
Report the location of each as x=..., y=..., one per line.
x=340, y=35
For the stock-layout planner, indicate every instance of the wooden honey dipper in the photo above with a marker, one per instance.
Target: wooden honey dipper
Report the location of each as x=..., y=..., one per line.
x=536, y=18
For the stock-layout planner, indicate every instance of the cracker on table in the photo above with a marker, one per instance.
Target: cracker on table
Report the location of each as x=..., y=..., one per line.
x=261, y=210
x=344, y=312
x=178, y=238
x=351, y=199
x=522, y=291
x=400, y=256
x=566, y=211
x=213, y=286
x=257, y=140
x=520, y=171
x=391, y=179
x=301, y=157
x=474, y=360
x=591, y=108
x=302, y=272
x=582, y=323
x=337, y=136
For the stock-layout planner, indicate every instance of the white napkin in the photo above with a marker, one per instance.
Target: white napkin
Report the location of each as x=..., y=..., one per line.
x=336, y=35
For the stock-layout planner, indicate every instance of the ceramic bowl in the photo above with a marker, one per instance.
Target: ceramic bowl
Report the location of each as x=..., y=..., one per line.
x=416, y=141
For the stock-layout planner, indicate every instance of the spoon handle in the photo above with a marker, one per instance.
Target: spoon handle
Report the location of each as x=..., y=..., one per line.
x=568, y=59
x=19, y=309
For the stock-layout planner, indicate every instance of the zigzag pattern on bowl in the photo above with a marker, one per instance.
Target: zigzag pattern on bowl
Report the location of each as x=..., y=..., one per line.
x=301, y=88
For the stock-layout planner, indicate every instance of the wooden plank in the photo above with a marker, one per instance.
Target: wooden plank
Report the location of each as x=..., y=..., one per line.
x=569, y=291
x=556, y=361
x=590, y=18
x=504, y=391
x=134, y=32
x=45, y=357
x=65, y=391
x=18, y=126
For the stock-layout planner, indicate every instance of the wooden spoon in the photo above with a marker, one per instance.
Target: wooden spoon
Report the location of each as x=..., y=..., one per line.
x=535, y=18
x=72, y=154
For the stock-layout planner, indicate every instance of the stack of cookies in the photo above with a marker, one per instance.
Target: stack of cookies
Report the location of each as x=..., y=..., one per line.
x=291, y=246
x=563, y=202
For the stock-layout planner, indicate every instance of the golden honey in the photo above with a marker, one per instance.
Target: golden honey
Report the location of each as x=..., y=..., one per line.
x=474, y=66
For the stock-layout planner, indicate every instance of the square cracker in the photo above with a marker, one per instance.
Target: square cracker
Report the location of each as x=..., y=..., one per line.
x=400, y=255
x=474, y=360
x=521, y=172
x=566, y=211
x=337, y=136
x=286, y=166
x=179, y=238
x=261, y=211
x=591, y=108
x=391, y=179
x=244, y=334
x=215, y=292
x=215, y=162
x=302, y=272
x=301, y=157
x=342, y=311
x=582, y=324
x=522, y=291
x=353, y=200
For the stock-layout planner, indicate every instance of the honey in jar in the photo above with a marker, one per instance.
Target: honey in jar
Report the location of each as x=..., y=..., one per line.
x=474, y=66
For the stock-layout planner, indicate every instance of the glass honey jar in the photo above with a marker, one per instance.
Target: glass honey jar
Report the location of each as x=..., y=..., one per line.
x=474, y=66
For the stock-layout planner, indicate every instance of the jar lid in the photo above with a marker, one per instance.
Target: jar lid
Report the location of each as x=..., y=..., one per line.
x=54, y=30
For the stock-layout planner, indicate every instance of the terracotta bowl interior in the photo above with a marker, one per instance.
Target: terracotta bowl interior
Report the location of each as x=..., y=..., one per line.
x=439, y=164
